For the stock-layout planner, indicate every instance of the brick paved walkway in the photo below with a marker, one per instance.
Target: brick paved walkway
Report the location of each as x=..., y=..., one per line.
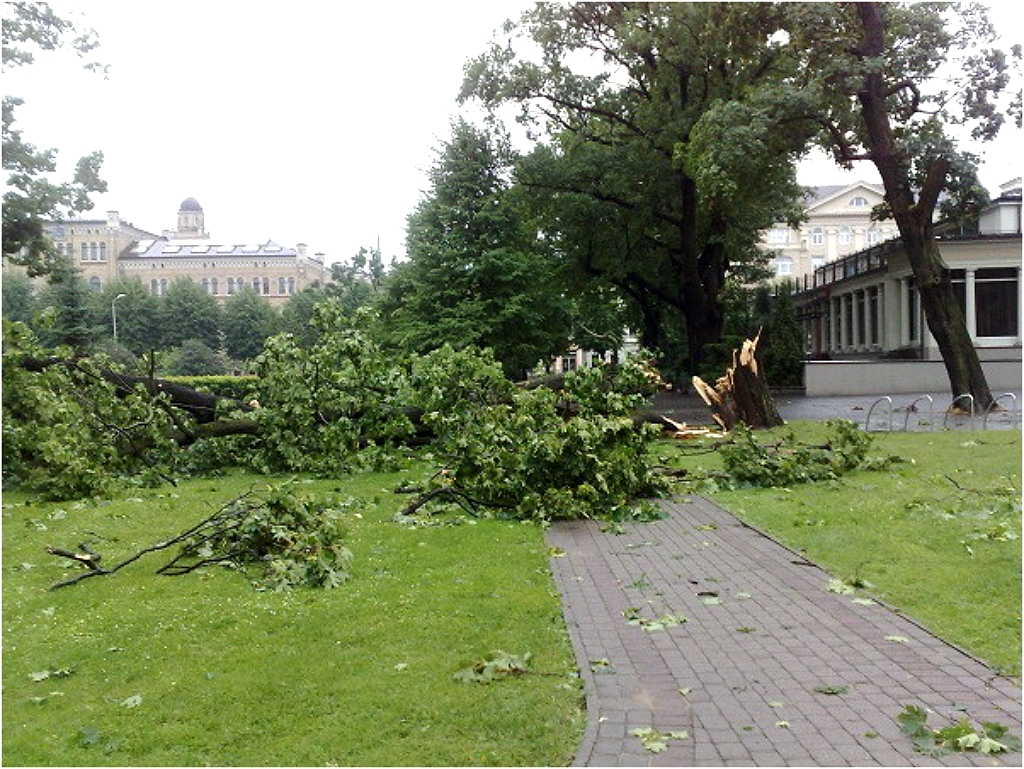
x=762, y=633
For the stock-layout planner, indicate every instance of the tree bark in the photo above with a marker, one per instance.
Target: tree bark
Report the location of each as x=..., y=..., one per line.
x=202, y=406
x=741, y=395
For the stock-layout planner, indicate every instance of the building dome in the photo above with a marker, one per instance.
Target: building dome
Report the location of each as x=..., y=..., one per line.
x=190, y=204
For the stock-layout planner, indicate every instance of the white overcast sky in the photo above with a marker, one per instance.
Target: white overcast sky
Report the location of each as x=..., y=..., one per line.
x=299, y=122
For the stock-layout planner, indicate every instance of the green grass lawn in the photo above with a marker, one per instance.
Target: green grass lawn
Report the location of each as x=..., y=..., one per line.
x=141, y=669
x=937, y=537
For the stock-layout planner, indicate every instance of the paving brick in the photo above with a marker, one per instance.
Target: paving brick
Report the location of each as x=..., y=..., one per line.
x=799, y=637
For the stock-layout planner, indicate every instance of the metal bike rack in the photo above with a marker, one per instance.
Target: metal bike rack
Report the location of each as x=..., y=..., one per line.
x=867, y=422
x=1014, y=411
x=957, y=399
x=913, y=407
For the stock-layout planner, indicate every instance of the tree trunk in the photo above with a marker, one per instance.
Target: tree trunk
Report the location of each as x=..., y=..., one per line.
x=947, y=324
x=741, y=395
x=202, y=406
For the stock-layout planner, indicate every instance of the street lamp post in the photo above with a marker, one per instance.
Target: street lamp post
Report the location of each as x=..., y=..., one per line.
x=113, y=313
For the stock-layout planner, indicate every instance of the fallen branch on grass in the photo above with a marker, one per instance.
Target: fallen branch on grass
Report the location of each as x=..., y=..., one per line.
x=290, y=539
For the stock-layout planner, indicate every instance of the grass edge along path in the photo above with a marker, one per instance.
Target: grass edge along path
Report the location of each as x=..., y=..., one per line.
x=936, y=537
x=140, y=669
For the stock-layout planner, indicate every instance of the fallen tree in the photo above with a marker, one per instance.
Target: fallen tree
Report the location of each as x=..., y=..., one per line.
x=74, y=428
x=741, y=395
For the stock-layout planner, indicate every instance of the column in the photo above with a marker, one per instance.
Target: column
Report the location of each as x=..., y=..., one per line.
x=904, y=312
x=833, y=326
x=970, y=309
x=1020, y=308
x=869, y=319
x=847, y=334
x=880, y=315
x=855, y=306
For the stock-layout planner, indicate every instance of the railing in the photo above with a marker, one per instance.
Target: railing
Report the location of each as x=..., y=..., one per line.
x=873, y=258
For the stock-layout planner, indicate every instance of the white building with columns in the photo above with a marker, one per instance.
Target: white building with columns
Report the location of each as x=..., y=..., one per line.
x=864, y=308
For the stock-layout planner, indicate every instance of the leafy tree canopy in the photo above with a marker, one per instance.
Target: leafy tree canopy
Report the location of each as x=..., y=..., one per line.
x=672, y=131
x=892, y=84
x=477, y=274
x=189, y=312
x=247, y=321
x=32, y=198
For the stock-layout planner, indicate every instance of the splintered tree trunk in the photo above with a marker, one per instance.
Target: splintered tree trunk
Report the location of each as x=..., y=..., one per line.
x=741, y=395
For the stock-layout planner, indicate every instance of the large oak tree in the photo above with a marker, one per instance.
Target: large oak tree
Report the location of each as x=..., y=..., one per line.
x=671, y=133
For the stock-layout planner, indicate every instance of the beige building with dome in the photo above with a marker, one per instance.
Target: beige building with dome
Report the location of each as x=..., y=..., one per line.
x=837, y=223
x=112, y=248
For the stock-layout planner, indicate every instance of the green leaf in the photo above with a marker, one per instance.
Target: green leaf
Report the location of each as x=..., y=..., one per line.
x=656, y=741
x=89, y=736
x=912, y=720
x=494, y=666
x=839, y=586
x=831, y=690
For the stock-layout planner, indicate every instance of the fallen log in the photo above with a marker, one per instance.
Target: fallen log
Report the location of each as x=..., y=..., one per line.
x=741, y=395
x=202, y=406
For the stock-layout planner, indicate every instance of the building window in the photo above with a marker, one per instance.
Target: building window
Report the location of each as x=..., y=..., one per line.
x=282, y=286
x=163, y=286
x=266, y=286
x=778, y=236
x=95, y=283
x=256, y=285
x=154, y=287
x=291, y=286
x=859, y=202
x=85, y=252
x=817, y=236
x=845, y=236
x=231, y=286
x=568, y=363
x=995, y=299
x=103, y=252
x=784, y=266
x=817, y=261
x=874, y=236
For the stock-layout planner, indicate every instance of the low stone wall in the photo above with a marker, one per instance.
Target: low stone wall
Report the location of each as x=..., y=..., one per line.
x=892, y=377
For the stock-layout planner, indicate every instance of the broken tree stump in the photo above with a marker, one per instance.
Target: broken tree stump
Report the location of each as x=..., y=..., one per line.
x=741, y=395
